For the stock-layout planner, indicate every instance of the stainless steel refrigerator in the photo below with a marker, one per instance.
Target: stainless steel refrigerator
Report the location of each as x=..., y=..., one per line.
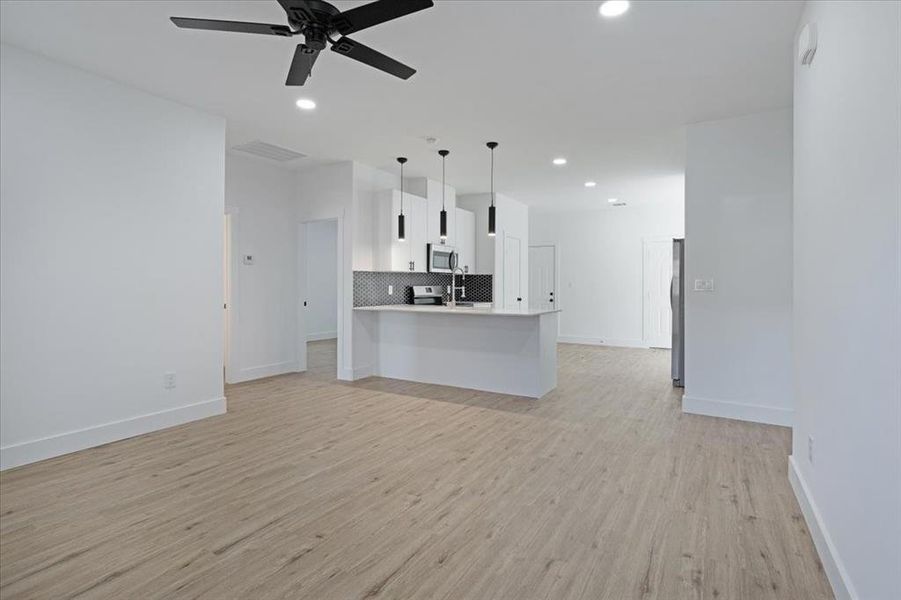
x=677, y=303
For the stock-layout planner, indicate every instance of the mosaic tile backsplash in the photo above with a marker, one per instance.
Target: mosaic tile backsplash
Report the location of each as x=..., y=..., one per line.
x=371, y=287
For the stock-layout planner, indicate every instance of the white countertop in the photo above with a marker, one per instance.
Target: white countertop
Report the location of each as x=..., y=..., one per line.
x=460, y=310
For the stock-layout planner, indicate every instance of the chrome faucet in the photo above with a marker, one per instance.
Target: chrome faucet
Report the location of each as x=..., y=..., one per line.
x=452, y=303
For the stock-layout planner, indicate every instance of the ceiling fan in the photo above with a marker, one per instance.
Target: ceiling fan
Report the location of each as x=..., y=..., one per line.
x=318, y=22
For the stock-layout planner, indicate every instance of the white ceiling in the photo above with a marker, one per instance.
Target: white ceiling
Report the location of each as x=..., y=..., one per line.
x=543, y=78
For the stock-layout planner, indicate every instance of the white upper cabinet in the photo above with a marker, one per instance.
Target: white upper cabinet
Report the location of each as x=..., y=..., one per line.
x=431, y=191
x=465, y=241
x=389, y=253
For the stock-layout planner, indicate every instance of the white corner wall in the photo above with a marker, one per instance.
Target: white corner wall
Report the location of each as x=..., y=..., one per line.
x=847, y=295
x=322, y=280
x=738, y=232
x=261, y=199
x=111, y=213
x=601, y=262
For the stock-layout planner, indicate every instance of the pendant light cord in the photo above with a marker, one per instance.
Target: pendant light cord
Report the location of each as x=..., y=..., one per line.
x=443, y=160
x=402, y=185
x=492, y=176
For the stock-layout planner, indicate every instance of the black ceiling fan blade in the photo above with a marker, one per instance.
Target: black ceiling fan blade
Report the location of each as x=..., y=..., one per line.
x=373, y=58
x=355, y=19
x=236, y=26
x=301, y=65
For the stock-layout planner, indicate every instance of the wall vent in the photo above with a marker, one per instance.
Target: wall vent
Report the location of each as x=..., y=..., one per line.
x=268, y=151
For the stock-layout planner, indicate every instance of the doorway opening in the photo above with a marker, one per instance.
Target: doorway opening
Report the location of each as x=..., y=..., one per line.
x=320, y=297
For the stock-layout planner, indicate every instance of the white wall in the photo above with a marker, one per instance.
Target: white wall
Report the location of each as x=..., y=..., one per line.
x=261, y=198
x=322, y=280
x=512, y=219
x=111, y=215
x=847, y=295
x=600, y=267
x=366, y=182
x=738, y=232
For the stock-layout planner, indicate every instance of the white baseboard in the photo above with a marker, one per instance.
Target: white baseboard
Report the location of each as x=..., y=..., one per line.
x=755, y=413
x=832, y=564
x=251, y=373
x=322, y=335
x=587, y=341
x=28, y=452
x=363, y=372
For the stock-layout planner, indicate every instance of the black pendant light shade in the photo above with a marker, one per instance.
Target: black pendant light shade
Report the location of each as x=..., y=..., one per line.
x=401, y=236
x=491, y=209
x=443, y=226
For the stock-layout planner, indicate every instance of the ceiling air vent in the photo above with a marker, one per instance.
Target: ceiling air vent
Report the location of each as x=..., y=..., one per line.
x=268, y=151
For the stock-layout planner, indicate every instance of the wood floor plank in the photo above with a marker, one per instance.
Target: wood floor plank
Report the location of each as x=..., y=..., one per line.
x=313, y=488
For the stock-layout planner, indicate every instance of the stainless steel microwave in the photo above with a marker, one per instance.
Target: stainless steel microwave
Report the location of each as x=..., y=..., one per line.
x=441, y=259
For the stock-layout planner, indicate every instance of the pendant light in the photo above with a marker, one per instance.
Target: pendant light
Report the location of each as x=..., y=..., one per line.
x=443, y=228
x=400, y=218
x=491, y=211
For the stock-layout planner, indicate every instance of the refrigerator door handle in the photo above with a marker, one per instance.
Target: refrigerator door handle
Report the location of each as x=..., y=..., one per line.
x=672, y=300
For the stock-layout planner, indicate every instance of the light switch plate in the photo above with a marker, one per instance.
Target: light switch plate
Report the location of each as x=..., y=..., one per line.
x=703, y=285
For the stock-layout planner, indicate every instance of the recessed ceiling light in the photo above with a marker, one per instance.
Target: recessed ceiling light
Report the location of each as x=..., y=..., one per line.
x=614, y=8
x=559, y=161
x=590, y=184
x=306, y=104
x=612, y=200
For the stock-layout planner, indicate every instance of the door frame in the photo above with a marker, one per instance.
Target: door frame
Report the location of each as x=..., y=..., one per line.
x=229, y=285
x=301, y=331
x=556, y=248
x=644, y=296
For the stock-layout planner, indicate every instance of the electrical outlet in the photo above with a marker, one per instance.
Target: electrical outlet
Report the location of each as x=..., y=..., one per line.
x=810, y=449
x=703, y=285
x=390, y=290
x=169, y=381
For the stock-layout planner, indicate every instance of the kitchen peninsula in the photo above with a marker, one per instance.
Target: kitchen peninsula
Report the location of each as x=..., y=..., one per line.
x=489, y=349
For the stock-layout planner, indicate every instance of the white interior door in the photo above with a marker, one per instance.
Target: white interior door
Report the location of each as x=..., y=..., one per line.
x=512, y=273
x=542, y=276
x=658, y=272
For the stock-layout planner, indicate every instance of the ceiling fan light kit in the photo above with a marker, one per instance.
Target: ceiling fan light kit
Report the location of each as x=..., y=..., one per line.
x=319, y=22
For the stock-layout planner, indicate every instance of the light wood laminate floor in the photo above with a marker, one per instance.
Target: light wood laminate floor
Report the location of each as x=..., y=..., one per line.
x=309, y=488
